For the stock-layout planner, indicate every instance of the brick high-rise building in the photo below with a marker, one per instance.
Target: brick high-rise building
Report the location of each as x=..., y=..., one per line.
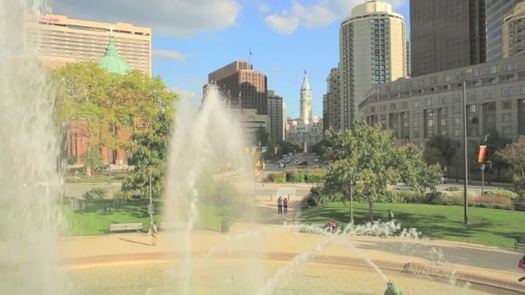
x=58, y=40
x=446, y=34
x=242, y=86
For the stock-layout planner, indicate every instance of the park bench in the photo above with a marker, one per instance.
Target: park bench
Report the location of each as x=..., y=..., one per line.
x=121, y=227
x=519, y=243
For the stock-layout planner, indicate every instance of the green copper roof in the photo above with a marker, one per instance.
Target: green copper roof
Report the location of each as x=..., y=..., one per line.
x=112, y=62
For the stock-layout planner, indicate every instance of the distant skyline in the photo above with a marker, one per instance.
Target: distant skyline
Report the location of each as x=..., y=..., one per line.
x=195, y=37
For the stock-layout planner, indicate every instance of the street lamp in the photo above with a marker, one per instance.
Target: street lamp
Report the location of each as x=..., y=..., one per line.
x=465, y=160
x=150, y=205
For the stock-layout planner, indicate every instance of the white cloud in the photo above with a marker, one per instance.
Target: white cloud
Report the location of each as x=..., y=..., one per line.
x=319, y=14
x=166, y=17
x=170, y=54
x=190, y=95
x=263, y=7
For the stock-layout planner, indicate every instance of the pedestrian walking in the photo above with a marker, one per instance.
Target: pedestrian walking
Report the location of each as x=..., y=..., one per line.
x=154, y=234
x=280, y=205
x=521, y=265
x=390, y=215
x=285, y=205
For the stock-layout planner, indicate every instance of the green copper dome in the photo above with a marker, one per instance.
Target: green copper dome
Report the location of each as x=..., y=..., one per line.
x=112, y=62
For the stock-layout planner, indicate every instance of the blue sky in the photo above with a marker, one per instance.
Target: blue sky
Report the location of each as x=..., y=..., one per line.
x=194, y=37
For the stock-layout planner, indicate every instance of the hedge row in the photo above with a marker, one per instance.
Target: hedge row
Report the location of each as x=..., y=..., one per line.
x=497, y=198
x=309, y=176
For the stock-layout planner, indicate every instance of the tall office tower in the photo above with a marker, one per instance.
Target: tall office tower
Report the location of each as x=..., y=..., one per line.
x=409, y=60
x=243, y=86
x=331, y=101
x=276, y=113
x=372, y=50
x=513, y=31
x=306, y=101
x=58, y=40
x=496, y=11
x=446, y=34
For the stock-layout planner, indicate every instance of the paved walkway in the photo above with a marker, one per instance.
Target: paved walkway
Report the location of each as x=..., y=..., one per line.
x=477, y=263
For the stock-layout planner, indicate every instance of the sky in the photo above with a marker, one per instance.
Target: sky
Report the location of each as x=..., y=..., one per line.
x=192, y=38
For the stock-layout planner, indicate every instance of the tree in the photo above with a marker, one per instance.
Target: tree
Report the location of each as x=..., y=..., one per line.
x=365, y=160
x=514, y=155
x=262, y=137
x=440, y=149
x=105, y=105
x=149, y=159
x=415, y=172
x=495, y=142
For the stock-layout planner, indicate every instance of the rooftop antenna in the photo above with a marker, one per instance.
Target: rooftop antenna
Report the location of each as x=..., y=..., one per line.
x=250, y=57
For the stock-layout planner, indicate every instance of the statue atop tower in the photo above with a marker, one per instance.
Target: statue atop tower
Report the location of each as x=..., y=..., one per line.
x=306, y=101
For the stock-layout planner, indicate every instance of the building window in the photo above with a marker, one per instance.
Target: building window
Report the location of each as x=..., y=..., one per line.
x=506, y=105
x=507, y=91
x=494, y=69
x=522, y=89
x=473, y=108
x=404, y=105
x=506, y=117
x=457, y=132
x=428, y=102
x=457, y=121
x=416, y=103
x=506, y=131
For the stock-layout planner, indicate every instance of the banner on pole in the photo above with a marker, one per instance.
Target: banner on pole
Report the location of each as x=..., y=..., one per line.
x=482, y=156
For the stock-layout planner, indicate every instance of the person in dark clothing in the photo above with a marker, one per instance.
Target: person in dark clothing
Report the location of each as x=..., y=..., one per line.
x=521, y=265
x=285, y=205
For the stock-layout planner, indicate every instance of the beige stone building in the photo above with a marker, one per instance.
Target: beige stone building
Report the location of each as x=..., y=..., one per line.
x=331, y=102
x=58, y=40
x=372, y=51
x=418, y=108
x=513, y=31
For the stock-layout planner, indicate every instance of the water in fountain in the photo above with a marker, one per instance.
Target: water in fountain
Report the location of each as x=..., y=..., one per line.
x=208, y=144
x=29, y=182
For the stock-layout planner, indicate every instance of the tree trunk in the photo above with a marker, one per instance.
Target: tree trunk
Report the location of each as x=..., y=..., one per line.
x=88, y=171
x=370, y=209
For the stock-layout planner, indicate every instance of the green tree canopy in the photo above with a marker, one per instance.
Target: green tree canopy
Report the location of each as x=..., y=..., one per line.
x=365, y=160
x=440, y=149
x=514, y=155
x=104, y=104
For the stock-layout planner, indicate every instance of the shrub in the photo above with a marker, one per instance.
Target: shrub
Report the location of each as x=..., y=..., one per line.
x=503, y=193
x=276, y=177
x=95, y=194
x=452, y=198
x=452, y=189
x=314, y=176
x=404, y=196
x=493, y=201
x=519, y=204
x=295, y=176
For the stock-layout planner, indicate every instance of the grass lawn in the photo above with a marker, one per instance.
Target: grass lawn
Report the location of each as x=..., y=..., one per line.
x=486, y=226
x=98, y=178
x=95, y=221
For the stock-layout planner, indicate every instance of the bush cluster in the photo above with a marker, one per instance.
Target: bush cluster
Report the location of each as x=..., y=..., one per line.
x=497, y=198
x=308, y=176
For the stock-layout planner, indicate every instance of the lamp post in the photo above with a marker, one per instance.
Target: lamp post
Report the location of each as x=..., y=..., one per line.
x=150, y=205
x=465, y=150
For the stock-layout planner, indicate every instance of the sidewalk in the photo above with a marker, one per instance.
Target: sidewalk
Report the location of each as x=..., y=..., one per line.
x=486, y=265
